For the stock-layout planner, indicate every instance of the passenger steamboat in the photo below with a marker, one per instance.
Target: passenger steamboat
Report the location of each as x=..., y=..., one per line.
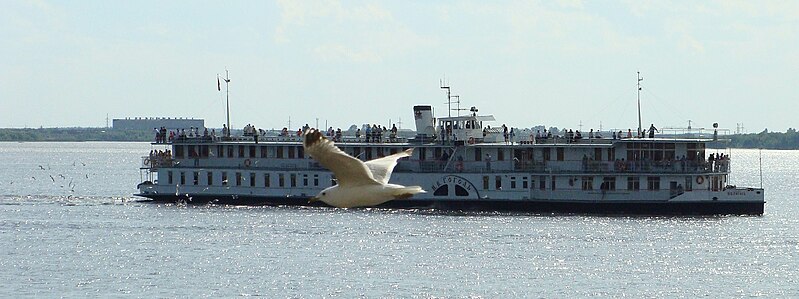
x=464, y=164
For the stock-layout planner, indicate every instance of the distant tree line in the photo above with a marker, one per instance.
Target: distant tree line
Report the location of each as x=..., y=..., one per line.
x=74, y=134
x=765, y=139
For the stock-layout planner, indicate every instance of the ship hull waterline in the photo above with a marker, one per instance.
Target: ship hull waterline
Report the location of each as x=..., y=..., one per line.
x=644, y=208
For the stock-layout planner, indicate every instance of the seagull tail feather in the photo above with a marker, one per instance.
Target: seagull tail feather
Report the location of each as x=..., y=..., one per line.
x=407, y=192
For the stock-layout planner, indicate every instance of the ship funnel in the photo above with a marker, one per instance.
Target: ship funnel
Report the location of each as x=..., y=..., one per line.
x=425, y=123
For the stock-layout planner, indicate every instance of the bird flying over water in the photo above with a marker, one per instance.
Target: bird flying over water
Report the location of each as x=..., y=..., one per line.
x=359, y=184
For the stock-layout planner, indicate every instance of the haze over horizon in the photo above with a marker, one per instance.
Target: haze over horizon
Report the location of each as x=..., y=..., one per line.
x=554, y=63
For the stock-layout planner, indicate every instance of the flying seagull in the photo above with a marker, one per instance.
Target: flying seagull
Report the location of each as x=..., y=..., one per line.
x=359, y=184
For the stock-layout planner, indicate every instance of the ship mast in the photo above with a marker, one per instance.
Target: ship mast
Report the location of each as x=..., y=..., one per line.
x=639, y=103
x=227, y=101
x=449, y=97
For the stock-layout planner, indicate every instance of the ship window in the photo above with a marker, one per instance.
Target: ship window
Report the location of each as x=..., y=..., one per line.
x=653, y=183
x=238, y=179
x=560, y=154
x=281, y=180
x=305, y=180
x=500, y=155
x=252, y=179
x=513, y=182
x=478, y=154
x=524, y=183
x=224, y=178
x=443, y=190
x=611, y=154
x=169, y=177
x=300, y=152
x=485, y=182
x=229, y=151
x=587, y=182
x=220, y=151
x=547, y=154
x=598, y=154
x=293, y=180
x=291, y=152
x=210, y=181
x=689, y=184
x=204, y=151
x=316, y=180
x=608, y=183
x=266, y=180
x=263, y=152
x=279, y=154
x=633, y=183
x=196, y=178
x=552, y=183
x=460, y=191
x=498, y=182
x=182, y=178
x=241, y=151
x=252, y=151
x=179, y=151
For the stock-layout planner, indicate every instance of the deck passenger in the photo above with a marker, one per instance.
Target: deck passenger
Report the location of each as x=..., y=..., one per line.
x=652, y=131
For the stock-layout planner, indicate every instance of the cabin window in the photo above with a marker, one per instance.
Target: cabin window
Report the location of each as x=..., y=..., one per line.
x=293, y=180
x=608, y=183
x=689, y=184
x=263, y=151
x=316, y=180
x=279, y=154
x=210, y=178
x=633, y=183
x=252, y=151
x=560, y=154
x=542, y=182
x=229, y=151
x=169, y=177
x=182, y=178
x=552, y=183
x=252, y=179
x=193, y=151
x=546, y=153
x=478, y=154
x=588, y=182
x=220, y=151
x=281, y=180
x=238, y=179
x=179, y=151
x=485, y=182
x=300, y=152
x=241, y=150
x=204, y=151
x=611, y=154
x=524, y=183
x=266, y=180
x=305, y=180
x=224, y=178
x=653, y=183
x=598, y=154
x=498, y=182
x=196, y=178
x=291, y=152
x=500, y=154
x=513, y=182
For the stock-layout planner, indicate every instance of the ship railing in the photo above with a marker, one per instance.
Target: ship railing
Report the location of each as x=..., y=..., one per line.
x=619, y=166
x=155, y=161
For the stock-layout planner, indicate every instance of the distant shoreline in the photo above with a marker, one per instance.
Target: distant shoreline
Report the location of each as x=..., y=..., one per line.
x=788, y=140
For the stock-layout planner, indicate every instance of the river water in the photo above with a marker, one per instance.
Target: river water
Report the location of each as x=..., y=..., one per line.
x=81, y=233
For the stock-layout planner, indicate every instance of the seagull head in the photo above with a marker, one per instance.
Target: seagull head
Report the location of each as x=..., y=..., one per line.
x=328, y=195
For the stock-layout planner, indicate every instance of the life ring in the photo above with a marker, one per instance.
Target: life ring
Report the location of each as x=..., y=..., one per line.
x=147, y=162
x=247, y=163
x=471, y=140
x=699, y=180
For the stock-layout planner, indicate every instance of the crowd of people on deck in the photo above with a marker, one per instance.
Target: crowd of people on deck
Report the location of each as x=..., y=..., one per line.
x=159, y=157
x=575, y=135
x=162, y=135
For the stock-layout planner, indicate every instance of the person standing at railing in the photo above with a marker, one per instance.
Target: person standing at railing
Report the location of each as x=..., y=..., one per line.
x=652, y=131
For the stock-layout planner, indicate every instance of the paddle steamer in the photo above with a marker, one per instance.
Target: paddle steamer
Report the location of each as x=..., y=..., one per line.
x=464, y=164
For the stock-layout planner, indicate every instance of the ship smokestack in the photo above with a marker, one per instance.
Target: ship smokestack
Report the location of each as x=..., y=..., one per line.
x=425, y=123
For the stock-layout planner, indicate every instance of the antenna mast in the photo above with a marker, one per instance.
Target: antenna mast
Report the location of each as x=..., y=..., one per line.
x=449, y=98
x=227, y=101
x=639, y=102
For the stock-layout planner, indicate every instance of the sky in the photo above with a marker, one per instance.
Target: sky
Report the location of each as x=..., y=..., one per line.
x=335, y=63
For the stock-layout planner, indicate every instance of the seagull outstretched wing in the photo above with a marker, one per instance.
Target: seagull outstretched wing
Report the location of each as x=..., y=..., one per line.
x=348, y=170
x=381, y=168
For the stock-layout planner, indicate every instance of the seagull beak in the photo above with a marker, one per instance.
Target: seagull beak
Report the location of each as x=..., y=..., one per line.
x=313, y=199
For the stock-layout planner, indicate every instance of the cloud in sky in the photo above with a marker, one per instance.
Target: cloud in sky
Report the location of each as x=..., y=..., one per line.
x=558, y=63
